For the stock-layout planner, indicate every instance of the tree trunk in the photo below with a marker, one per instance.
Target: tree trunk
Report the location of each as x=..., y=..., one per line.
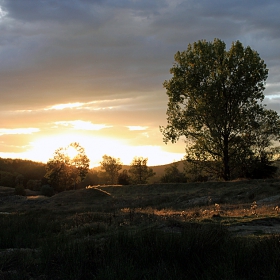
x=226, y=171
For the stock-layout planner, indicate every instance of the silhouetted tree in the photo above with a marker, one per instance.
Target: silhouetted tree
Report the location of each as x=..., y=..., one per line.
x=139, y=171
x=111, y=166
x=215, y=101
x=64, y=172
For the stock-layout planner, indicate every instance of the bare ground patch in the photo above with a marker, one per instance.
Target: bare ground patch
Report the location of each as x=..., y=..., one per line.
x=261, y=226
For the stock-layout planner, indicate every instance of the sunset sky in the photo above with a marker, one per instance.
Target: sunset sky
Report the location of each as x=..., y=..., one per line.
x=92, y=71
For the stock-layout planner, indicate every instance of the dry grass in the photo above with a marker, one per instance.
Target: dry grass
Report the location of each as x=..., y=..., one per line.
x=228, y=203
x=198, y=214
x=158, y=231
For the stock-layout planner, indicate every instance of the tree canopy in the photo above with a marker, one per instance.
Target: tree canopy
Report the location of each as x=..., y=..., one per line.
x=139, y=171
x=65, y=170
x=215, y=101
x=111, y=166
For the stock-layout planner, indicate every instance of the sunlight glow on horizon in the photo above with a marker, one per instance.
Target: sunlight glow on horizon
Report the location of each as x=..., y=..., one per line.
x=43, y=149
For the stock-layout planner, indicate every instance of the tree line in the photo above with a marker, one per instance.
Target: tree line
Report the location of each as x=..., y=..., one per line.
x=68, y=171
x=64, y=172
x=20, y=172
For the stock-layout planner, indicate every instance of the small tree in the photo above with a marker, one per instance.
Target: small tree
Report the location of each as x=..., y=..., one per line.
x=139, y=171
x=111, y=166
x=65, y=171
x=173, y=175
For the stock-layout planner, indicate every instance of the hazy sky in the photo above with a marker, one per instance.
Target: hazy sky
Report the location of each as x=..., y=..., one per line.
x=91, y=71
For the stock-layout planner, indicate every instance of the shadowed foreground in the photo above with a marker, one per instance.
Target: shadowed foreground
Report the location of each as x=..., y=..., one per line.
x=213, y=230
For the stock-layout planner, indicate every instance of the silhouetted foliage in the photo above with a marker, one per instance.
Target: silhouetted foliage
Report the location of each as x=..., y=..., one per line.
x=173, y=175
x=260, y=170
x=47, y=190
x=27, y=169
x=64, y=172
x=19, y=179
x=92, y=178
x=124, y=178
x=7, y=179
x=111, y=166
x=19, y=190
x=34, y=185
x=215, y=101
x=139, y=171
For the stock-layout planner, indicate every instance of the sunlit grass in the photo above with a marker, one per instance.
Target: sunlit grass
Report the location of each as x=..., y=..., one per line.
x=212, y=211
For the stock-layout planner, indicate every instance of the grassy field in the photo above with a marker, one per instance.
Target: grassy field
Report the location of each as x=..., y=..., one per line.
x=213, y=230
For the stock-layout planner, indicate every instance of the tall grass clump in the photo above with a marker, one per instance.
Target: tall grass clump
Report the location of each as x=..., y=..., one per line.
x=161, y=254
x=257, y=258
x=135, y=254
x=198, y=252
x=65, y=258
x=191, y=251
x=26, y=230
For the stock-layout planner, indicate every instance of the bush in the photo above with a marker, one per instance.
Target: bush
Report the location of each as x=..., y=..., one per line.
x=19, y=190
x=123, y=178
x=7, y=179
x=33, y=185
x=47, y=190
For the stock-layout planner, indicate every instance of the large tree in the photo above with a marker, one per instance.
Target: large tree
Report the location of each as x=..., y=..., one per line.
x=215, y=101
x=68, y=167
x=111, y=166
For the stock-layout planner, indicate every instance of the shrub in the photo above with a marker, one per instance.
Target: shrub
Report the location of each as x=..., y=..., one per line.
x=33, y=185
x=47, y=190
x=124, y=178
x=19, y=190
x=7, y=179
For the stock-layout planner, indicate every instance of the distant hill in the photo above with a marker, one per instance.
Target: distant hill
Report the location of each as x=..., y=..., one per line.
x=158, y=169
x=11, y=169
